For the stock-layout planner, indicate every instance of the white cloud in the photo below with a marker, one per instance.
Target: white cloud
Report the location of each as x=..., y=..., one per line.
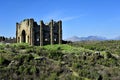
x=59, y=15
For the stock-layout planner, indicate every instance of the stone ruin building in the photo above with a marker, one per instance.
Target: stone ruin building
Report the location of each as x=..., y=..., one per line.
x=28, y=31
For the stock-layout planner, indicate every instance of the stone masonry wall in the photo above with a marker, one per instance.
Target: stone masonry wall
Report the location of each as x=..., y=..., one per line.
x=30, y=32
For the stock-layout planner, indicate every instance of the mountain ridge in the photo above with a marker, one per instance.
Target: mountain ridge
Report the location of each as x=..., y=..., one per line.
x=90, y=38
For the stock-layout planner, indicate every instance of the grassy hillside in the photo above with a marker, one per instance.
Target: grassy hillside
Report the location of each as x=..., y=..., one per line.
x=76, y=61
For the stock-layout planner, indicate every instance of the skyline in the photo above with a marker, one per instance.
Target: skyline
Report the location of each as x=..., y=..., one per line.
x=79, y=17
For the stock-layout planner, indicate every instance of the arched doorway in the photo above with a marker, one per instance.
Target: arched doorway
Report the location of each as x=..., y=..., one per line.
x=23, y=36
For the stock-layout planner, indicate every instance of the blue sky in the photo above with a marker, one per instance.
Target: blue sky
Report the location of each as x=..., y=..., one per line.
x=80, y=17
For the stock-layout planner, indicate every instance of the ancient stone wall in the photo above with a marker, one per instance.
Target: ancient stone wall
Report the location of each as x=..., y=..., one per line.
x=30, y=32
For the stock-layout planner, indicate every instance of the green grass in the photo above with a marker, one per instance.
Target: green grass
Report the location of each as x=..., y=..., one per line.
x=76, y=61
x=65, y=48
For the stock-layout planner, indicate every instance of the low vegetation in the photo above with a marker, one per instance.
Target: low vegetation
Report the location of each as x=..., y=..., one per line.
x=92, y=60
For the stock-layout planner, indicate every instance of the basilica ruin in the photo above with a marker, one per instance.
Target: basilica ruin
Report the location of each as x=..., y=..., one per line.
x=28, y=31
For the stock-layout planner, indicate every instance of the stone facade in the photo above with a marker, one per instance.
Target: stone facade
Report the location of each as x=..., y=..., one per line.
x=28, y=31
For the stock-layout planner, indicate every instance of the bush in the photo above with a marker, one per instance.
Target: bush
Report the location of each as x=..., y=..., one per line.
x=33, y=69
x=20, y=45
x=56, y=55
x=108, y=55
x=24, y=58
x=3, y=61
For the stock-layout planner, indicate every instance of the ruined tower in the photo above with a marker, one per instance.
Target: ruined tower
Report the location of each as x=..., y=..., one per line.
x=28, y=31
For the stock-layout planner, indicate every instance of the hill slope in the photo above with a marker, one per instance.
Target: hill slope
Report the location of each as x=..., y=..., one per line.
x=61, y=62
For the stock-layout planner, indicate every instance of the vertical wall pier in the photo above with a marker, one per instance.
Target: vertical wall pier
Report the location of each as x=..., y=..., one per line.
x=41, y=33
x=17, y=25
x=51, y=33
x=60, y=32
x=31, y=21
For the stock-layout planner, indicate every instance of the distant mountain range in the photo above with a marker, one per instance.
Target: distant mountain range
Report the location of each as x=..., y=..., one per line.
x=90, y=38
x=117, y=38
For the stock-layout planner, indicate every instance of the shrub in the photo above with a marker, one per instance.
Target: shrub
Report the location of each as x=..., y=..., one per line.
x=108, y=55
x=2, y=46
x=33, y=69
x=3, y=61
x=21, y=68
x=56, y=55
x=23, y=58
x=20, y=45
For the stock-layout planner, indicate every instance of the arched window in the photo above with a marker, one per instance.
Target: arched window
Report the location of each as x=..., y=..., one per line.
x=23, y=36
